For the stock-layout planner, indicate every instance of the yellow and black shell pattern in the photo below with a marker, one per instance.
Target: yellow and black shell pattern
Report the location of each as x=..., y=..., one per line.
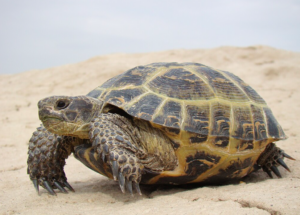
x=218, y=124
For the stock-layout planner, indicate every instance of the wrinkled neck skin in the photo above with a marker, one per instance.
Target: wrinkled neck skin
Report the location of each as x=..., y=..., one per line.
x=69, y=116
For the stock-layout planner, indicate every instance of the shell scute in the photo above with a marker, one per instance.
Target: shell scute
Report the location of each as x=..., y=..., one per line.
x=120, y=97
x=169, y=115
x=200, y=162
x=133, y=77
x=223, y=87
x=274, y=129
x=235, y=169
x=182, y=84
x=242, y=123
x=96, y=93
x=197, y=119
x=260, y=130
x=145, y=107
x=250, y=92
x=221, y=119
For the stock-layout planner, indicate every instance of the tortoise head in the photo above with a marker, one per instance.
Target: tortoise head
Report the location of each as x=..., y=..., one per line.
x=67, y=115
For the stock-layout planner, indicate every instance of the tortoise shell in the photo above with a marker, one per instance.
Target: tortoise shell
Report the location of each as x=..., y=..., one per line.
x=218, y=124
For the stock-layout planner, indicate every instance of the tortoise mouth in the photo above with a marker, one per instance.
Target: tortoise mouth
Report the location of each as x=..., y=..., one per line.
x=47, y=114
x=49, y=121
x=50, y=118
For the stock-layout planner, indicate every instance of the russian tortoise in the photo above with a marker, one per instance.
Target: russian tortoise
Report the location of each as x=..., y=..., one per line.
x=163, y=123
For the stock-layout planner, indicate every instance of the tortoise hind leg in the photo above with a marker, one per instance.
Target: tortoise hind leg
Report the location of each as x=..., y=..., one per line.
x=271, y=158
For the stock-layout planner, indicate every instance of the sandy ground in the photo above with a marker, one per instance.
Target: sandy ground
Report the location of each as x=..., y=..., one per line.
x=274, y=73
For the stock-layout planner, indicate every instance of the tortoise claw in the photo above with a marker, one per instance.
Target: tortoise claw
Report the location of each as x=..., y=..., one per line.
x=281, y=162
x=129, y=186
x=36, y=185
x=115, y=169
x=49, y=188
x=103, y=156
x=137, y=187
x=269, y=173
x=69, y=186
x=287, y=156
x=105, y=149
x=57, y=184
x=122, y=182
x=276, y=171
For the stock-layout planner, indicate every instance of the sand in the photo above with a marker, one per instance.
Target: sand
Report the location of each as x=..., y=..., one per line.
x=275, y=74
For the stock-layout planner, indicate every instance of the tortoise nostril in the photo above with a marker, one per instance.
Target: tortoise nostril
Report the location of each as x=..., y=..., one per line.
x=40, y=104
x=48, y=108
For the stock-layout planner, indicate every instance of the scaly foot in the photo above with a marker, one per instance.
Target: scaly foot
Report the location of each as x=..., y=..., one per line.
x=271, y=158
x=46, y=159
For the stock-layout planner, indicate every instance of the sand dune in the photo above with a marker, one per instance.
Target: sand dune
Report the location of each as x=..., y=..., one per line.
x=275, y=74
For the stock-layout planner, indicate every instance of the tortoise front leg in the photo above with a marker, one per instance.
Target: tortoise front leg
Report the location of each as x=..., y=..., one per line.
x=46, y=160
x=116, y=142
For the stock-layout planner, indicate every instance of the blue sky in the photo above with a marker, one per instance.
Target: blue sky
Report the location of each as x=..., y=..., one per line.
x=37, y=34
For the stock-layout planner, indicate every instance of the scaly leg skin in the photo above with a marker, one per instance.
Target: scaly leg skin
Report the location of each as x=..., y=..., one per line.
x=271, y=158
x=117, y=142
x=46, y=159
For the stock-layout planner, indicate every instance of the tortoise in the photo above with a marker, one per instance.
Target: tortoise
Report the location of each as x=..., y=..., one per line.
x=162, y=123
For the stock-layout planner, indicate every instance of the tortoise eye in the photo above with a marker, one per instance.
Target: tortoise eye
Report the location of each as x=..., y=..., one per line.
x=62, y=104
